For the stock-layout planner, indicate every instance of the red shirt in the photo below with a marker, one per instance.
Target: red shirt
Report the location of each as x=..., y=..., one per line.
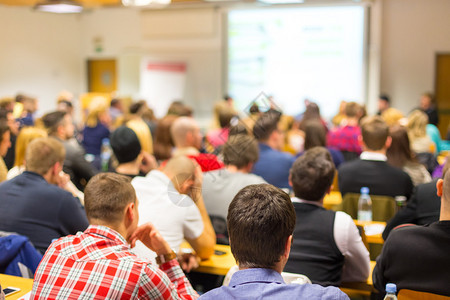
x=345, y=139
x=98, y=264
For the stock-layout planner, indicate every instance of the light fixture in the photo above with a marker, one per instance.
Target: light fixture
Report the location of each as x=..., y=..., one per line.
x=281, y=1
x=59, y=6
x=145, y=2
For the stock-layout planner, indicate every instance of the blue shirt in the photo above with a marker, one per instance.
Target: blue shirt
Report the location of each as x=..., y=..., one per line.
x=273, y=166
x=268, y=284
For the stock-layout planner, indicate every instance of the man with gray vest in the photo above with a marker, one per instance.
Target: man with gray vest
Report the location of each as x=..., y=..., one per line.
x=327, y=246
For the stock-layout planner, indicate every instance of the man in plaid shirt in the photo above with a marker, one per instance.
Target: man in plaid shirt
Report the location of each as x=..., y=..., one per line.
x=98, y=263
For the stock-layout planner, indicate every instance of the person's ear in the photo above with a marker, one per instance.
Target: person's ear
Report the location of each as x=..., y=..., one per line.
x=439, y=187
x=287, y=249
x=130, y=213
x=388, y=142
x=290, y=179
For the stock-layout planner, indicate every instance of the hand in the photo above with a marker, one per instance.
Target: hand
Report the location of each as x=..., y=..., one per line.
x=188, y=261
x=62, y=179
x=196, y=190
x=148, y=162
x=150, y=237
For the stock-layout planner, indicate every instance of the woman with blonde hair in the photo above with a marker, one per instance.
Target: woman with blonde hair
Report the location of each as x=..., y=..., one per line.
x=96, y=130
x=25, y=136
x=417, y=132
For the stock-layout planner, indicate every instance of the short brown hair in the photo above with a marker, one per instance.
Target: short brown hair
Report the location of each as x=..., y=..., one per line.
x=260, y=219
x=106, y=195
x=240, y=150
x=265, y=125
x=352, y=109
x=312, y=174
x=53, y=120
x=43, y=153
x=374, y=132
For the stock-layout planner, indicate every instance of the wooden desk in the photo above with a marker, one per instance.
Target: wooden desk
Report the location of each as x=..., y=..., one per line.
x=372, y=239
x=24, y=284
x=363, y=288
x=332, y=200
x=216, y=264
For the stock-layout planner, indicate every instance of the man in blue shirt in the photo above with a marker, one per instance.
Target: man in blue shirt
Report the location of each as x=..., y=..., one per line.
x=261, y=220
x=273, y=165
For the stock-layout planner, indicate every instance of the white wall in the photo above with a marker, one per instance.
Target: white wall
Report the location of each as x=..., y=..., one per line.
x=39, y=54
x=413, y=32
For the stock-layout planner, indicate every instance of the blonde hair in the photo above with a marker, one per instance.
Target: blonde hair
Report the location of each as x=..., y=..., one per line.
x=417, y=124
x=43, y=153
x=392, y=116
x=98, y=106
x=143, y=133
x=25, y=136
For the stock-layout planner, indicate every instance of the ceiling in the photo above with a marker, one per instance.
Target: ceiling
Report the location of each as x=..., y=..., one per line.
x=85, y=3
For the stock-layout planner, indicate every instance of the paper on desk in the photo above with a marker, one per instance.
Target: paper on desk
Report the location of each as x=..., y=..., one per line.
x=374, y=229
x=26, y=296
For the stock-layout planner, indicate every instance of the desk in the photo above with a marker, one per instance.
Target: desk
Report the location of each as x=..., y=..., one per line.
x=332, y=200
x=364, y=288
x=216, y=264
x=24, y=284
x=375, y=238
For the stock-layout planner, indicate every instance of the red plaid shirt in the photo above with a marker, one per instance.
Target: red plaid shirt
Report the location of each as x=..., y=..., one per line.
x=98, y=264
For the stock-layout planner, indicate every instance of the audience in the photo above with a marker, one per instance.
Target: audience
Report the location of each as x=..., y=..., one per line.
x=60, y=126
x=187, y=138
x=422, y=208
x=384, y=103
x=171, y=199
x=417, y=131
x=138, y=125
x=240, y=152
x=36, y=206
x=98, y=263
x=346, y=137
x=371, y=169
x=416, y=257
x=13, y=132
x=428, y=106
x=273, y=165
x=261, y=221
x=399, y=155
x=327, y=246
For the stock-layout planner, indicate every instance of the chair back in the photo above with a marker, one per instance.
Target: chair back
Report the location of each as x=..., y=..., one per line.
x=383, y=207
x=405, y=294
x=220, y=228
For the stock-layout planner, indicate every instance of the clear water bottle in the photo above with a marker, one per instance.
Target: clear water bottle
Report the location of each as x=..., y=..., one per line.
x=105, y=155
x=364, y=205
x=391, y=290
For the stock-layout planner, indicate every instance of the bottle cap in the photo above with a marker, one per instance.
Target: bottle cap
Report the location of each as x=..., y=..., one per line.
x=391, y=288
x=365, y=190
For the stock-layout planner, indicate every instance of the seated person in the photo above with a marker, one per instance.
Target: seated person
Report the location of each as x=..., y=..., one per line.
x=371, y=169
x=327, y=246
x=272, y=165
x=346, y=137
x=128, y=152
x=36, y=206
x=423, y=207
x=187, y=138
x=98, y=263
x=171, y=199
x=261, y=221
x=220, y=186
x=416, y=257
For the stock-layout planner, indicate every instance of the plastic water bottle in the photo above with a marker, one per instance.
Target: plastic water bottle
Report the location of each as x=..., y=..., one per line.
x=391, y=289
x=105, y=155
x=364, y=205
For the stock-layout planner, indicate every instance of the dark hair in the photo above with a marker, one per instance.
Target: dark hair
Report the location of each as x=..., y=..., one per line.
x=178, y=108
x=135, y=108
x=384, y=97
x=238, y=128
x=125, y=144
x=260, y=219
x=352, y=109
x=53, y=120
x=399, y=153
x=240, y=150
x=225, y=117
x=265, y=125
x=254, y=108
x=163, y=145
x=3, y=128
x=312, y=174
x=374, y=132
x=106, y=195
x=312, y=112
x=315, y=134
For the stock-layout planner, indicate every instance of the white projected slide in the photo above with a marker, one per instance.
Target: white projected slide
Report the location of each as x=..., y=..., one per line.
x=297, y=53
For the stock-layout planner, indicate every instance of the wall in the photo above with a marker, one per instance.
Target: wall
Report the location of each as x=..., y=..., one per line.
x=413, y=32
x=39, y=54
